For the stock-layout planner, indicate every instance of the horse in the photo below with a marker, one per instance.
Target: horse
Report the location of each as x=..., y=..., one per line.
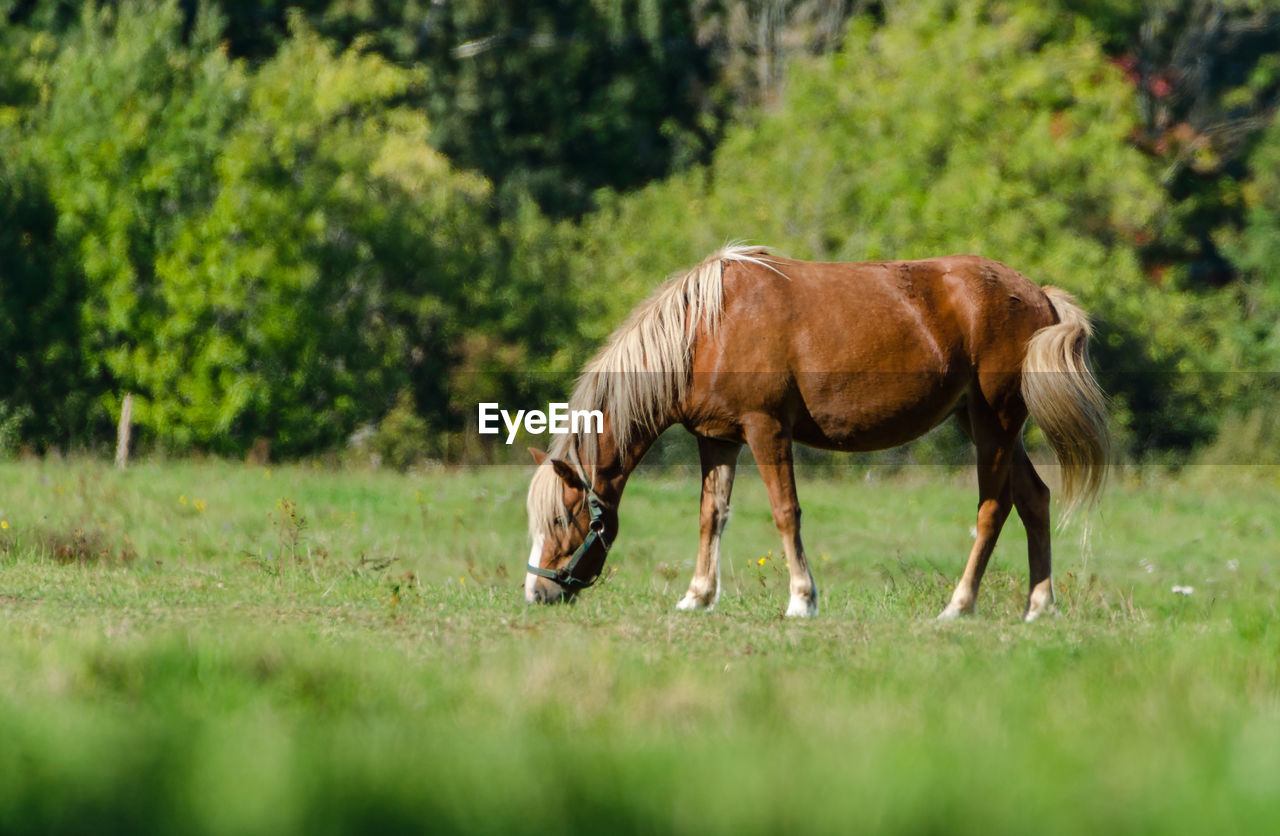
x=749, y=347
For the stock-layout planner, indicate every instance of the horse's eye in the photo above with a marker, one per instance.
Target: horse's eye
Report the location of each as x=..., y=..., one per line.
x=558, y=522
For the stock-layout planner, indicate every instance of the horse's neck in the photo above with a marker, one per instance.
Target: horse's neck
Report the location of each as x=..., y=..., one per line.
x=614, y=466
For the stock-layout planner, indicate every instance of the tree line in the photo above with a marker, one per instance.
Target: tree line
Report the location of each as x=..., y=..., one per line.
x=291, y=221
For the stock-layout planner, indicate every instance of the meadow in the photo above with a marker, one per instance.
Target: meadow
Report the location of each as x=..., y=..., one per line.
x=209, y=647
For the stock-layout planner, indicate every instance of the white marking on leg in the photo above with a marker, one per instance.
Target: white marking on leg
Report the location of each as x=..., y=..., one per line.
x=963, y=602
x=1040, y=599
x=699, y=597
x=802, y=607
x=722, y=522
x=535, y=560
x=689, y=603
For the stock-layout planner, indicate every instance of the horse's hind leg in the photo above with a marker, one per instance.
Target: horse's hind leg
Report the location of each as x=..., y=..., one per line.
x=719, y=462
x=996, y=444
x=772, y=449
x=1031, y=498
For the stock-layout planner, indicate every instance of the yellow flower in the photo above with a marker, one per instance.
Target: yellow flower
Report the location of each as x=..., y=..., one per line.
x=761, y=561
x=200, y=506
x=182, y=499
x=462, y=580
x=4, y=525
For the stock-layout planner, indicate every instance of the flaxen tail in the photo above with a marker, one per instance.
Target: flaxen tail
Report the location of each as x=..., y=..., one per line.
x=1064, y=399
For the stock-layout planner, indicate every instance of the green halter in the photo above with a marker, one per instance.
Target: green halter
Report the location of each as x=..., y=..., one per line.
x=595, y=540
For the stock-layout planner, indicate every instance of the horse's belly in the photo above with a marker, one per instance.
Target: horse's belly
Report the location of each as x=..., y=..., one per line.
x=864, y=411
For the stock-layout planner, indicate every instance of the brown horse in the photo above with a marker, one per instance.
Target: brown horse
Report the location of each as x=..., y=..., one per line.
x=752, y=348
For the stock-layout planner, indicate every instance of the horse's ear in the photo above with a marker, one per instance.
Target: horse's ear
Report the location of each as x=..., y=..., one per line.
x=567, y=473
x=562, y=468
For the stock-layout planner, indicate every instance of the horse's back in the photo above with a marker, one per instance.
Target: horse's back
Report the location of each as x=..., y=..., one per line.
x=888, y=315
x=867, y=354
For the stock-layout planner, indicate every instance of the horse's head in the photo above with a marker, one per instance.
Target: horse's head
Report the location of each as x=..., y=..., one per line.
x=571, y=529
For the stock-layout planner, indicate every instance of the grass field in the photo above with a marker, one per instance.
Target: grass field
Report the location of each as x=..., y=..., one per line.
x=214, y=648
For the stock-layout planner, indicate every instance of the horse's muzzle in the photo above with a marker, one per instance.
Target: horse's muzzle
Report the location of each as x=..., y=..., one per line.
x=545, y=592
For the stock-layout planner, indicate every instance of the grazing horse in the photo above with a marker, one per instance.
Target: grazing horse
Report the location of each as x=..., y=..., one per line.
x=751, y=348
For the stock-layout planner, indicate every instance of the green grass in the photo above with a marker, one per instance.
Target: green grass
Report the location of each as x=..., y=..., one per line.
x=182, y=651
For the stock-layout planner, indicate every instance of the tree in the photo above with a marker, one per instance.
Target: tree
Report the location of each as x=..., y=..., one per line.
x=326, y=273
x=125, y=134
x=41, y=399
x=1207, y=78
x=559, y=99
x=753, y=42
x=1256, y=250
x=989, y=128
x=273, y=251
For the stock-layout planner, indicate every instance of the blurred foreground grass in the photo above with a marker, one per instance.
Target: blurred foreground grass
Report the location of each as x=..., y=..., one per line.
x=211, y=648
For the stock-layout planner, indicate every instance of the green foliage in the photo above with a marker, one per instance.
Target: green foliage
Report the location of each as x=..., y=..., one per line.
x=403, y=439
x=991, y=128
x=40, y=401
x=268, y=253
x=1248, y=438
x=245, y=216
x=558, y=99
x=1207, y=80
x=127, y=129
x=323, y=274
x=1256, y=248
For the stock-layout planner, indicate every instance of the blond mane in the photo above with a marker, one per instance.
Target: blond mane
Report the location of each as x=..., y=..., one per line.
x=642, y=371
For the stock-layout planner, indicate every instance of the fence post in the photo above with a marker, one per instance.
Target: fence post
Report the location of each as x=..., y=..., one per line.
x=124, y=430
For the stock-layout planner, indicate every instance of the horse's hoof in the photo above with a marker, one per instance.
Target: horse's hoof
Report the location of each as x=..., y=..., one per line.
x=952, y=612
x=692, y=603
x=1039, y=602
x=1034, y=612
x=801, y=607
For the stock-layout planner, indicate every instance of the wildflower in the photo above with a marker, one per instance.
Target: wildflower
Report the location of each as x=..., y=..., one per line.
x=4, y=525
x=200, y=506
x=462, y=580
x=761, y=561
x=182, y=499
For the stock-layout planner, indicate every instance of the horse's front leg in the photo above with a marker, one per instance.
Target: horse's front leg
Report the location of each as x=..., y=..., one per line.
x=719, y=462
x=772, y=449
